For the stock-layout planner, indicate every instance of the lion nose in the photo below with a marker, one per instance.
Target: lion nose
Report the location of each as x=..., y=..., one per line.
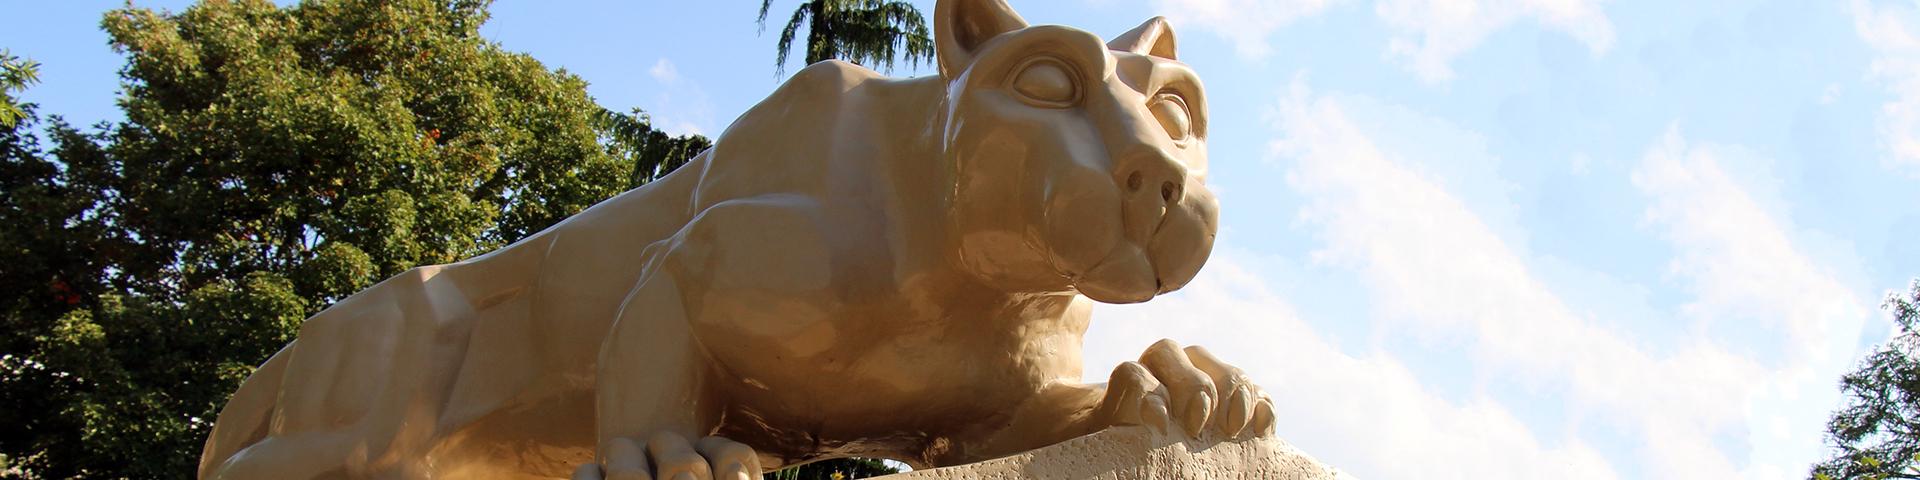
x=1153, y=181
x=1153, y=173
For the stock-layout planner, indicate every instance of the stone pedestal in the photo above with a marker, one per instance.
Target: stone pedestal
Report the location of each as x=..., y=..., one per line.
x=1138, y=453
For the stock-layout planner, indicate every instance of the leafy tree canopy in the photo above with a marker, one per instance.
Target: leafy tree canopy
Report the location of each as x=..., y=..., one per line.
x=834, y=469
x=866, y=32
x=15, y=74
x=1876, y=435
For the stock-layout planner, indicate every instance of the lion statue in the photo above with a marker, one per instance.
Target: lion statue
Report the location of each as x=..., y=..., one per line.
x=860, y=266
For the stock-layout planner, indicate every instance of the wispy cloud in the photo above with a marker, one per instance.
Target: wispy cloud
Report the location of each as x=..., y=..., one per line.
x=1247, y=23
x=1889, y=31
x=664, y=72
x=681, y=107
x=1742, y=266
x=1435, y=267
x=1429, y=34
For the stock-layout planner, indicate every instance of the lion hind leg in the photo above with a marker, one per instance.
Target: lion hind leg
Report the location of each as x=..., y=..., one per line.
x=245, y=418
x=243, y=446
x=314, y=455
x=360, y=392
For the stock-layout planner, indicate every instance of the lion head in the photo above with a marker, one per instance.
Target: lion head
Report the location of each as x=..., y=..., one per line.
x=1079, y=164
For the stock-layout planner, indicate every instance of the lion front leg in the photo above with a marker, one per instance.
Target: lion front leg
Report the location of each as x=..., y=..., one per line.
x=1172, y=390
x=1186, y=388
x=669, y=456
x=653, y=405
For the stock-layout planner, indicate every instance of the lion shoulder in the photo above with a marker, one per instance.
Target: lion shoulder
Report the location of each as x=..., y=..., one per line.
x=781, y=145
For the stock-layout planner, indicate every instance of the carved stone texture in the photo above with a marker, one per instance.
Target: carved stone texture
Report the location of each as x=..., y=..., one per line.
x=860, y=266
x=1130, y=453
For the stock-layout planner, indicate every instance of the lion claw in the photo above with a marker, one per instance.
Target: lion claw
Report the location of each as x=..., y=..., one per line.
x=1211, y=393
x=668, y=456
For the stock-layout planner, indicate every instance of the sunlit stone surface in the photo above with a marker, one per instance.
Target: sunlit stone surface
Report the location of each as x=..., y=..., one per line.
x=1127, y=453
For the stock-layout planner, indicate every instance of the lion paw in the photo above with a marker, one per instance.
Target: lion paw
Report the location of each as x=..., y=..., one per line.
x=1188, y=387
x=668, y=456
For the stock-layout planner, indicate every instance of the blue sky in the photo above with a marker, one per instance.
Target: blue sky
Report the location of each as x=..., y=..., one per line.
x=1461, y=238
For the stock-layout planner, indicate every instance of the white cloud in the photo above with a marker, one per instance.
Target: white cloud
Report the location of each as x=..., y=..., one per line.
x=684, y=128
x=1888, y=30
x=664, y=72
x=1435, y=268
x=1246, y=23
x=1365, y=414
x=681, y=107
x=1741, y=265
x=1433, y=264
x=1429, y=34
x=1737, y=258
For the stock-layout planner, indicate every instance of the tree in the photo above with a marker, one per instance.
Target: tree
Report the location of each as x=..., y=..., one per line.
x=15, y=74
x=654, y=153
x=50, y=247
x=834, y=469
x=273, y=160
x=1876, y=435
x=866, y=32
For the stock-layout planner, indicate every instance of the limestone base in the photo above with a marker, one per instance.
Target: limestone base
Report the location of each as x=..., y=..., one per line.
x=1138, y=453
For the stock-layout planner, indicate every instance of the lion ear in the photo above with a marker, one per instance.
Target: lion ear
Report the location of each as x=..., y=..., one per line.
x=1155, y=37
x=960, y=27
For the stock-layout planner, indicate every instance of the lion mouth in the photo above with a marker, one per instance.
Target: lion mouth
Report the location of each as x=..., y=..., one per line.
x=1136, y=270
x=1126, y=275
x=1135, y=255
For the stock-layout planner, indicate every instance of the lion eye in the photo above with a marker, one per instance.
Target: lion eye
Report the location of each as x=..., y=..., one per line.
x=1045, y=82
x=1172, y=113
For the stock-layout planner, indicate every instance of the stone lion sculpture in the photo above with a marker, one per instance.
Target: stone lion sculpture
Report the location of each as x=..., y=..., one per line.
x=895, y=268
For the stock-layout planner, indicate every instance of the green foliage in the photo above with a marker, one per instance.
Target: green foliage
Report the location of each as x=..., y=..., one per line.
x=654, y=153
x=834, y=469
x=273, y=160
x=1877, y=434
x=15, y=74
x=866, y=32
